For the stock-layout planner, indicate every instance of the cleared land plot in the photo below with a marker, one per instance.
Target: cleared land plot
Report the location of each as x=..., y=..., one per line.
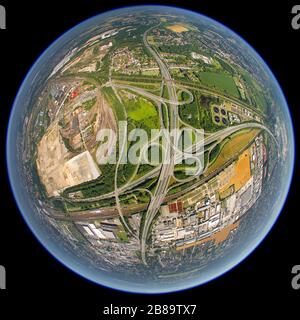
x=177, y=28
x=237, y=176
x=242, y=171
x=231, y=148
x=220, y=81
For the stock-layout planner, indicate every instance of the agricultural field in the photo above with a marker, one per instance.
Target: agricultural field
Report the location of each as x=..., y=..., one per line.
x=219, y=81
x=255, y=93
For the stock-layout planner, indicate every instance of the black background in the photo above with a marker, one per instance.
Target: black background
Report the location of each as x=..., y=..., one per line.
x=37, y=284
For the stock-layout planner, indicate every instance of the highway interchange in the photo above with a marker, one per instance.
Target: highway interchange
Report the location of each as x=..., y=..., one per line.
x=164, y=171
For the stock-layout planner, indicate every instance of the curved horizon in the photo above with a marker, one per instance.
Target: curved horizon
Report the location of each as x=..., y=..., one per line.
x=69, y=260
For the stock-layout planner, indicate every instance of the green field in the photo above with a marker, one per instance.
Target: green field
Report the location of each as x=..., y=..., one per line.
x=219, y=81
x=142, y=111
x=88, y=105
x=256, y=94
x=122, y=236
x=214, y=153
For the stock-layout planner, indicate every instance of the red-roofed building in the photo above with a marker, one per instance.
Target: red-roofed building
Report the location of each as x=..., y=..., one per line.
x=179, y=206
x=173, y=207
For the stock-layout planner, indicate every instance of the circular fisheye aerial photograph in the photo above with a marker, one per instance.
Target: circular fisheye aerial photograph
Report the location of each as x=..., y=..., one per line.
x=150, y=149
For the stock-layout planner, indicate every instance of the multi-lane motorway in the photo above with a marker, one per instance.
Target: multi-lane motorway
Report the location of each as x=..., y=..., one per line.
x=152, y=96
x=167, y=167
